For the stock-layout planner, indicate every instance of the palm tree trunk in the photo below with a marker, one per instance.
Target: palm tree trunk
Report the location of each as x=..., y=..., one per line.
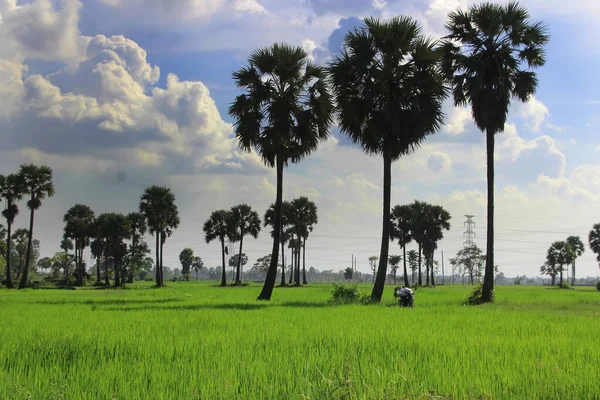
x=162, y=272
x=385, y=232
x=426, y=268
x=553, y=280
x=304, y=282
x=106, y=281
x=98, y=269
x=81, y=267
x=9, y=282
x=267, y=289
x=561, y=275
x=573, y=277
x=404, y=262
x=24, y=278
x=297, y=262
x=76, y=258
x=293, y=262
x=223, y=272
x=117, y=267
x=282, y=264
x=157, y=259
x=420, y=278
x=238, y=281
x=488, y=279
x=19, y=268
x=432, y=271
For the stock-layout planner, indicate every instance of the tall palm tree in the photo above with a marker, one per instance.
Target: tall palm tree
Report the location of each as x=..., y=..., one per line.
x=285, y=111
x=594, y=241
x=578, y=249
x=304, y=217
x=218, y=226
x=489, y=53
x=389, y=93
x=401, y=222
x=79, y=221
x=418, y=230
x=97, y=249
x=436, y=221
x=11, y=190
x=116, y=229
x=244, y=221
x=137, y=222
x=37, y=181
x=285, y=235
x=560, y=254
x=157, y=204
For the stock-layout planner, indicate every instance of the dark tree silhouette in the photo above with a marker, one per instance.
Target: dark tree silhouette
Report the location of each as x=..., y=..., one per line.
x=218, y=226
x=244, y=221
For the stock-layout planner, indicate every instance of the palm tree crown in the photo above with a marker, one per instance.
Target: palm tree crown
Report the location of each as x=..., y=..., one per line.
x=218, y=227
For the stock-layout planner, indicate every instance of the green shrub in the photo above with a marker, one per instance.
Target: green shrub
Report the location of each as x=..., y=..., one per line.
x=565, y=285
x=149, y=279
x=476, y=296
x=348, y=294
x=598, y=286
x=187, y=277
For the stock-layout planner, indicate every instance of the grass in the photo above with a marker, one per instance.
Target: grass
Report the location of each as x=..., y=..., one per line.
x=196, y=341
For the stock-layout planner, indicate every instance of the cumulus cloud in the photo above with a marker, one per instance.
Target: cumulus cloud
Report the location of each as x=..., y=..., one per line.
x=438, y=162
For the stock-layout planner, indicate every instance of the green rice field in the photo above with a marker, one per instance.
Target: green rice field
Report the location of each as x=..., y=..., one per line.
x=196, y=341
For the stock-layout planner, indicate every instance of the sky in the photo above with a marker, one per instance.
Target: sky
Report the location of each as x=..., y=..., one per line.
x=118, y=95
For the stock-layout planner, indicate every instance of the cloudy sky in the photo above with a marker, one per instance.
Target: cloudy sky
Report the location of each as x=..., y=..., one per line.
x=117, y=95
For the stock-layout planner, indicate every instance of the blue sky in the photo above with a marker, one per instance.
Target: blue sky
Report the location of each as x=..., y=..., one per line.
x=117, y=95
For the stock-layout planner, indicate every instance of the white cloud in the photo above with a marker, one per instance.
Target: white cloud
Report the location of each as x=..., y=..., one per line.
x=457, y=120
x=438, y=162
x=534, y=111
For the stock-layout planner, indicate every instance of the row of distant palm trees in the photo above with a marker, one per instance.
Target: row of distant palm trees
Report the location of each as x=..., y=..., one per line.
x=387, y=88
x=32, y=181
x=298, y=219
x=566, y=252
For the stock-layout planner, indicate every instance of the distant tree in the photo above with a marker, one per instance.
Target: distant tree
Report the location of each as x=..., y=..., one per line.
x=348, y=272
x=551, y=270
x=394, y=265
x=244, y=221
x=218, y=226
x=20, y=238
x=401, y=219
x=283, y=114
x=186, y=258
x=138, y=251
x=197, y=265
x=157, y=204
x=12, y=190
x=413, y=262
x=578, y=249
x=37, y=181
x=269, y=220
x=373, y=265
x=559, y=254
x=63, y=260
x=467, y=260
x=238, y=261
x=116, y=229
x=594, y=241
x=79, y=226
x=488, y=54
x=389, y=92
x=419, y=227
x=263, y=264
x=44, y=264
x=303, y=217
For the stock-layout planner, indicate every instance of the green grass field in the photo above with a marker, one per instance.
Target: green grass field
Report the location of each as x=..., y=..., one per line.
x=196, y=341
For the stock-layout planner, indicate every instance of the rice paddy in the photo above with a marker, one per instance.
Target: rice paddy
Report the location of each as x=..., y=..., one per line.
x=196, y=341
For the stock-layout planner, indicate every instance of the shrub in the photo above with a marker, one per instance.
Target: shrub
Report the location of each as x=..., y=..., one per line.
x=149, y=279
x=565, y=285
x=187, y=277
x=476, y=296
x=598, y=286
x=348, y=294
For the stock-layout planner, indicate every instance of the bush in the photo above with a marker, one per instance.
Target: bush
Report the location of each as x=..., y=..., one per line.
x=476, y=296
x=598, y=286
x=565, y=285
x=187, y=277
x=149, y=279
x=348, y=294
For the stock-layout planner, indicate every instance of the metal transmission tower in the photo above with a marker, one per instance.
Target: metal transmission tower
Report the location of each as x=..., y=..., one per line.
x=470, y=232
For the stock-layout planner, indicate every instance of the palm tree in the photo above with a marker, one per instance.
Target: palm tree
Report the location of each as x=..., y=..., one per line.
x=244, y=221
x=157, y=204
x=489, y=53
x=436, y=221
x=303, y=218
x=137, y=221
x=197, y=265
x=418, y=230
x=285, y=236
x=11, y=190
x=97, y=249
x=594, y=240
x=401, y=223
x=394, y=263
x=115, y=228
x=389, y=93
x=413, y=263
x=560, y=254
x=578, y=249
x=218, y=226
x=37, y=181
x=79, y=221
x=285, y=112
